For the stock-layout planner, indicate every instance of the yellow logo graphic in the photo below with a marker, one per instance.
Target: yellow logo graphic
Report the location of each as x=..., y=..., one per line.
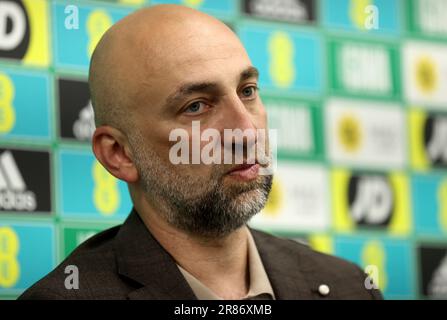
x=281, y=65
x=357, y=12
x=38, y=50
x=350, y=133
x=373, y=254
x=106, y=195
x=275, y=200
x=98, y=22
x=9, y=265
x=193, y=3
x=401, y=222
x=322, y=243
x=426, y=75
x=417, y=120
x=7, y=113
x=132, y=2
x=442, y=201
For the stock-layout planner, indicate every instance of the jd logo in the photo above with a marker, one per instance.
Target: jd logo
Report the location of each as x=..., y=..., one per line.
x=14, y=29
x=371, y=199
x=435, y=140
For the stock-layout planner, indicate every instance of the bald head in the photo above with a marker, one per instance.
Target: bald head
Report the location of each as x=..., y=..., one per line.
x=140, y=50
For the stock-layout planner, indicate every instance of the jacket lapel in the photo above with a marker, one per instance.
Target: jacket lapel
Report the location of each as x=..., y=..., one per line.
x=143, y=260
x=287, y=280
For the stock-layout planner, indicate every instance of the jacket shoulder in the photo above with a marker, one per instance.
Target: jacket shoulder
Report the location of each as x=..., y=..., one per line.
x=316, y=267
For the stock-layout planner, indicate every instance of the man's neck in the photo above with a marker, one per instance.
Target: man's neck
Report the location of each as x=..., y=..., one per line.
x=221, y=264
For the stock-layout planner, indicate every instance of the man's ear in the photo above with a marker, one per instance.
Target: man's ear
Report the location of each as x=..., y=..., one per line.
x=112, y=151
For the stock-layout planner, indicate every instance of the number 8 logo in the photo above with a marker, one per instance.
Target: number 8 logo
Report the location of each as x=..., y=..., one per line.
x=106, y=195
x=9, y=266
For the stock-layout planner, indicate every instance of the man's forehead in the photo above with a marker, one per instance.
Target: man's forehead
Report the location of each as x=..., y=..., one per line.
x=196, y=64
x=138, y=42
x=177, y=51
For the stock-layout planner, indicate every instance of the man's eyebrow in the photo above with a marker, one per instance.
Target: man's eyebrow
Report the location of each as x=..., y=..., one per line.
x=250, y=72
x=190, y=88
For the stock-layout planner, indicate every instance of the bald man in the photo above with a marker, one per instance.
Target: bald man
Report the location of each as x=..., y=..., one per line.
x=157, y=70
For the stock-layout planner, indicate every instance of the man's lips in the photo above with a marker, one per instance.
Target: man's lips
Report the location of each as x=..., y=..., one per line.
x=245, y=171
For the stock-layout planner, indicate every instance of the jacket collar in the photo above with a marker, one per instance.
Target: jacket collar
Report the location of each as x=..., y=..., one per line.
x=143, y=260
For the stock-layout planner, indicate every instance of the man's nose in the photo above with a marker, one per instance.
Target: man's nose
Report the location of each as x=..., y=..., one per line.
x=238, y=119
x=237, y=116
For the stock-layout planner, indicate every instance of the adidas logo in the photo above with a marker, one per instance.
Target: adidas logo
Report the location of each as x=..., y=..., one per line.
x=13, y=193
x=438, y=284
x=84, y=127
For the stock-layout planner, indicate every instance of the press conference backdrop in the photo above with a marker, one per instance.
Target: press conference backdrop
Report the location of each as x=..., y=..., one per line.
x=356, y=88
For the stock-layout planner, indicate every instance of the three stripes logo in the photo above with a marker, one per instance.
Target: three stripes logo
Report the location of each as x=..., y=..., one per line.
x=13, y=190
x=433, y=264
x=75, y=110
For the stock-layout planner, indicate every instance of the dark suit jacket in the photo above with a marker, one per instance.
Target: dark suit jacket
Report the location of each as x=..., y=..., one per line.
x=126, y=262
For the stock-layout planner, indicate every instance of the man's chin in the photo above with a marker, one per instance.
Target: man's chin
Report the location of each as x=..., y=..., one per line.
x=255, y=198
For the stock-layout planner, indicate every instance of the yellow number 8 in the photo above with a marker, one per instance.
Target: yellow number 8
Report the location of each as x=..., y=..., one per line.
x=106, y=196
x=193, y=3
x=282, y=67
x=9, y=266
x=97, y=24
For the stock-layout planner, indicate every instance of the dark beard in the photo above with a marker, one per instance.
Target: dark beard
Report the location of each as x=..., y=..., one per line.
x=215, y=212
x=218, y=213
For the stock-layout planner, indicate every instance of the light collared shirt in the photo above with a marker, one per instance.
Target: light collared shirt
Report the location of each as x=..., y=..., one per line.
x=260, y=287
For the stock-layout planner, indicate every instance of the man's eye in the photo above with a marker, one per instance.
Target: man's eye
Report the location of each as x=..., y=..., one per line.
x=249, y=92
x=195, y=107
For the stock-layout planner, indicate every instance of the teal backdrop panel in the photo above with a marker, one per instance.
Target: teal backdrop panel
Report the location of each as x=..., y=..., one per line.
x=430, y=204
x=75, y=39
x=28, y=254
x=25, y=105
x=88, y=191
x=353, y=15
x=394, y=260
x=289, y=60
